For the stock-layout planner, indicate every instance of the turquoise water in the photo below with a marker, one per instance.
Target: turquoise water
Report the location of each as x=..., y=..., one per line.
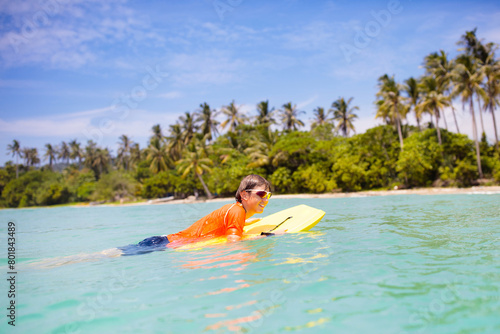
x=394, y=264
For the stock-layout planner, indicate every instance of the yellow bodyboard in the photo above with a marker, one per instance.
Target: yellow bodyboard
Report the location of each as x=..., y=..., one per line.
x=299, y=218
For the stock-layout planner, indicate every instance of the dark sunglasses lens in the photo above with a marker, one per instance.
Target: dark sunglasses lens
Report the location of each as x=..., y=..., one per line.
x=263, y=194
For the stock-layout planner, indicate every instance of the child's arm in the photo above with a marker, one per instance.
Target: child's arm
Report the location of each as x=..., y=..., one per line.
x=251, y=221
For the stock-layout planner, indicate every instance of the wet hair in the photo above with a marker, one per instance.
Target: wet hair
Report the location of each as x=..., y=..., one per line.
x=250, y=182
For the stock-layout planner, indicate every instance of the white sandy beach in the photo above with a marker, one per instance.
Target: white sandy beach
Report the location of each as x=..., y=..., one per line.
x=417, y=191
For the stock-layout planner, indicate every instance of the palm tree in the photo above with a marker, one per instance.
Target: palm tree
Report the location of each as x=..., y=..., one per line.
x=50, y=153
x=321, y=117
x=15, y=150
x=30, y=156
x=33, y=157
x=89, y=153
x=260, y=147
x=480, y=112
x=135, y=155
x=264, y=114
x=76, y=152
x=101, y=161
x=157, y=156
x=479, y=54
x=491, y=70
x=90, y=156
x=472, y=46
x=289, y=117
x=208, y=122
x=64, y=152
x=344, y=115
x=157, y=132
x=391, y=103
x=175, y=142
x=26, y=154
x=433, y=101
x=441, y=68
x=412, y=89
x=468, y=83
x=125, y=145
x=189, y=127
x=490, y=67
x=194, y=160
x=234, y=116
x=96, y=158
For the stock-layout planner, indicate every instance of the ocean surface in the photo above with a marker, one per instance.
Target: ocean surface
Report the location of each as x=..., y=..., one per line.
x=391, y=264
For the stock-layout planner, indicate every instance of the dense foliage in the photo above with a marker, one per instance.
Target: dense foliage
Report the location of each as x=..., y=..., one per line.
x=194, y=158
x=298, y=162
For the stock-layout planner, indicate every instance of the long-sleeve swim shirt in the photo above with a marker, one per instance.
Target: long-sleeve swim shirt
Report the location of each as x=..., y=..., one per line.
x=228, y=220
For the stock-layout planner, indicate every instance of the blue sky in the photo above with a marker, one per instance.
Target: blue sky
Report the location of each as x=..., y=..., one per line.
x=96, y=70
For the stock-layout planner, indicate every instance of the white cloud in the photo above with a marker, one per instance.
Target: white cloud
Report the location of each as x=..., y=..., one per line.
x=69, y=35
x=315, y=36
x=171, y=95
x=42, y=127
x=78, y=114
x=431, y=22
x=303, y=104
x=249, y=110
x=95, y=124
x=207, y=67
x=64, y=125
x=100, y=125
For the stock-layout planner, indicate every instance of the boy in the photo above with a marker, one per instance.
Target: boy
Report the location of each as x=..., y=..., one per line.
x=252, y=197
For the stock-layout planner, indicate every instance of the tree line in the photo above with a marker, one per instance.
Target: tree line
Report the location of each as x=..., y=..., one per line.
x=194, y=156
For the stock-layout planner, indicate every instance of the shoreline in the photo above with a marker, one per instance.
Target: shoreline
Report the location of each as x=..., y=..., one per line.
x=488, y=190
x=367, y=193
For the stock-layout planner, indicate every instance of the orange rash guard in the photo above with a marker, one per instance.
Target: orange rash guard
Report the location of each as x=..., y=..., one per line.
x=228, y=220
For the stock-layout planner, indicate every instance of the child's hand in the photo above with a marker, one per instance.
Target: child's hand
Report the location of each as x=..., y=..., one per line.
x=267, y=234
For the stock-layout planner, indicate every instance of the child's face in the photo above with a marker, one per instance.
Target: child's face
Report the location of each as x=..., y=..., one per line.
x=254, y=203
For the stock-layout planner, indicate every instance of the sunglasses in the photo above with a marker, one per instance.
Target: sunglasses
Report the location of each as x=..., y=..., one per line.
x=261, y=193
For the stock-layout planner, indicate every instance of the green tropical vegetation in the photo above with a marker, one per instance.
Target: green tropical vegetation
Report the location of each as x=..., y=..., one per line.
x=208, y=151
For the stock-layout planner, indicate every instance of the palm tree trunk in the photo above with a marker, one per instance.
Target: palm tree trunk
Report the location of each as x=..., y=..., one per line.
x=209, y=194
x=418, y=124
x=445, y=123
x=398, y=124
x=345, y=124
x=480, y=115
x=437, y=127
x=494, y=125
x=455, y=118
x=17, y=166
x=474, y=132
